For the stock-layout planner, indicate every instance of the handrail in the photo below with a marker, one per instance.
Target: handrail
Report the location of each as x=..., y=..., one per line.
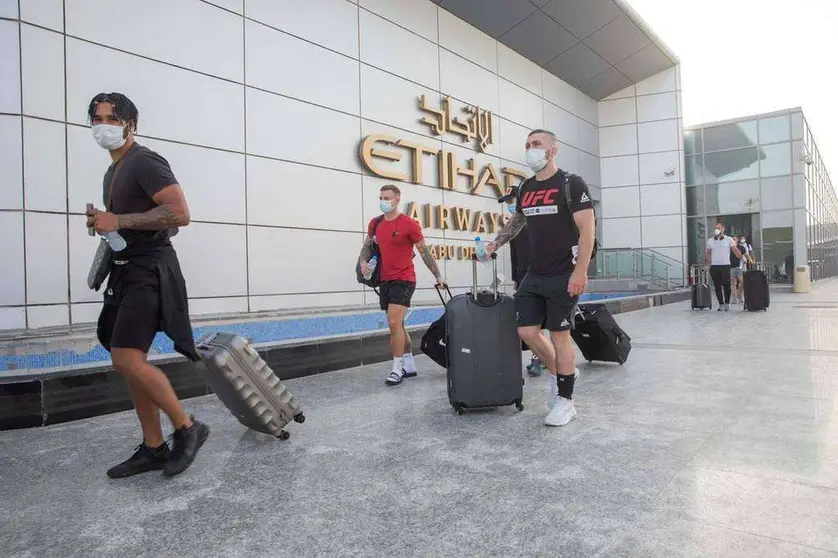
x=642, y=264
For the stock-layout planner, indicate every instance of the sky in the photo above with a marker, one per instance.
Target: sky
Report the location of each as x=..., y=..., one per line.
x=742, y=57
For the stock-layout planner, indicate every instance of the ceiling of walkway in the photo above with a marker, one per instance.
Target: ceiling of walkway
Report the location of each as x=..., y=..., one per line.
x=597, y=46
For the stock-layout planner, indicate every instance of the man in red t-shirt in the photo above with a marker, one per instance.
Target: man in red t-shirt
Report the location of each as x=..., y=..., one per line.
x=396, y=236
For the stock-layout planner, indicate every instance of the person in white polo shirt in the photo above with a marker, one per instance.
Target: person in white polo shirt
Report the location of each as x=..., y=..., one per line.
x=718, y=260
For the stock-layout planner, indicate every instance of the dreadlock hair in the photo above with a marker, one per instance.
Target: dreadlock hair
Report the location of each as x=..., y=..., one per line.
x=123, y=108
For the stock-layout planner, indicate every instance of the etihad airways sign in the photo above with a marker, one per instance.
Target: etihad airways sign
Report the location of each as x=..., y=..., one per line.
x=380, y=153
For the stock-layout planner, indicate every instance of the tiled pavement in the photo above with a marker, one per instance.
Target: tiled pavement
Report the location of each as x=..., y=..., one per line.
x=719, y=437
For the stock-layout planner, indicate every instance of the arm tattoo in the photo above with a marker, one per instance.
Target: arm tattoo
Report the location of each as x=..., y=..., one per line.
x=366, y=250
x=511, y=229
x=157, y=219
x=428, y=258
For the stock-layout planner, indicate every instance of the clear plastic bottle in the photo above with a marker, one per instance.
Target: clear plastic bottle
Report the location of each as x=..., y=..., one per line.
x=372, y=263
x=480, y=250
x=115, y=241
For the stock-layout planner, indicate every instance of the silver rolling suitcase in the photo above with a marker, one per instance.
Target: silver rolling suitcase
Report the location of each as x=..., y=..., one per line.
x=484, y=351
x=246, y=385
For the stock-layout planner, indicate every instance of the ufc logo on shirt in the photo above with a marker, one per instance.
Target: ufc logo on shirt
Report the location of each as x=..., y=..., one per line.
x=540, y=202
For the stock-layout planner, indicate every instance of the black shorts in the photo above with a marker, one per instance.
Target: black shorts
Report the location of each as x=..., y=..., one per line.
x=396, y=292
x=130, y=317
x=544, y=301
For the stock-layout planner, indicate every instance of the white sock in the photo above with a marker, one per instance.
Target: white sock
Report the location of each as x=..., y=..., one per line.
x=554, y=390
x=409, y=363
x=397, y=365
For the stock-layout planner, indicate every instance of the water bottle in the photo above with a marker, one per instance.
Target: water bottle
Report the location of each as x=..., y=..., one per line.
x=480, y=250
x=372, y=263
x=115, y=241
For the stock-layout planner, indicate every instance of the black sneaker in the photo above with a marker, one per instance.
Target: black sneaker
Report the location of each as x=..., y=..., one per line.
x=145, y=459
x=186, y=443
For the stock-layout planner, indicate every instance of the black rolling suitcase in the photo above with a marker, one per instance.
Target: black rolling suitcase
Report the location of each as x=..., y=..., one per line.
x=483, y=349
x=702, y=296
x=598, y=335
x=757, y=294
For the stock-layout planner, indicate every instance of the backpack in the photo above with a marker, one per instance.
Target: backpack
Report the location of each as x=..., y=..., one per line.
x=375, y=279
x=566, y=190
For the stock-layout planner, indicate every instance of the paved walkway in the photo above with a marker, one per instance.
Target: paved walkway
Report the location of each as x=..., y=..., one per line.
x=719, y=437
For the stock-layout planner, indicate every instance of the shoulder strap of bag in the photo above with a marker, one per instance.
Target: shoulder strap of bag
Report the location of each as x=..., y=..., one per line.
x=375, y=225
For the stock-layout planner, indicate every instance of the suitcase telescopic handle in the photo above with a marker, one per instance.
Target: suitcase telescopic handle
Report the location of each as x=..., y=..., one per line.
x=439, y=292
x=474, y=260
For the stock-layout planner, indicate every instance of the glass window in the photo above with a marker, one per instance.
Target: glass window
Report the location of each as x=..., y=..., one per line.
x=731, y=198
x=776, y=160
x=730, y=136
x=696, y=239
x=693, y=172
x=772, y=130
x=695, y=200
x=777, y=242
x=777, y=193
x=728, y=166
x=692, y=142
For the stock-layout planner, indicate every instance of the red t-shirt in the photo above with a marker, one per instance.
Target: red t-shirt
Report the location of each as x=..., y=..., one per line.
x=395, y=241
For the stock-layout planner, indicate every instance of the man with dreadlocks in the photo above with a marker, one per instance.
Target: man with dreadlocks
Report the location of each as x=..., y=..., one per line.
x=146, y=292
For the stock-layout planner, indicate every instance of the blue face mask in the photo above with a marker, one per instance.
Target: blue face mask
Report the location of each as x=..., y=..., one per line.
x=511, y=208
x=385, y=206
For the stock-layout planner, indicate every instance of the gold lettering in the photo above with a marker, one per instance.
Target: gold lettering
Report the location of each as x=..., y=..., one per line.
x=463, y=219
x=465, y=129
x=413, y=212
x=444, y=171
x=490, y=177
x=480, y=223
x=483, y=127
x=511, y=176
x=439, y=121
x=428, y=222
x=418, y=160
x=368, y=151
x=433, y=251
x=442, y=217
x=494, y=224
x=454, y=170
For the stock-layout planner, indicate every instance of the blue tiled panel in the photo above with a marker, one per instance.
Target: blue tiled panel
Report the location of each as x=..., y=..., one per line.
x=257, y=331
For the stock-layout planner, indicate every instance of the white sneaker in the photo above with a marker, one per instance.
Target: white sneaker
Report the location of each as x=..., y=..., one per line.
x=563, y=412
x=554, y=389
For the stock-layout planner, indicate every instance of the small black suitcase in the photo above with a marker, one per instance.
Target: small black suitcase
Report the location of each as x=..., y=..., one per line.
x=434, y=341
x=483, y=349
x=598, y=335
x=702, y=296
x=757, y=293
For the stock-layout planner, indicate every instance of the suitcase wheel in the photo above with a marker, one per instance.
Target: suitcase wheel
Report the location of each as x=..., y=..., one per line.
x=459, y=409
x=283, y=435
x=300, y=418
x=519, y=405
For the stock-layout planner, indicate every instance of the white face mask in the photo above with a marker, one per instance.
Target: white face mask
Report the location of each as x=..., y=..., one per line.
x=537, y=159
x=718, y=232
x=109, y=136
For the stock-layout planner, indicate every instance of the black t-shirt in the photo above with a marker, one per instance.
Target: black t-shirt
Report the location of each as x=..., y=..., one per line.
x=553, y=236
x=141, y=174
x=519, y=252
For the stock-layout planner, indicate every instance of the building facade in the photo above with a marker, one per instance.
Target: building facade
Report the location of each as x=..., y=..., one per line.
x=282, y=120
x=763, y=176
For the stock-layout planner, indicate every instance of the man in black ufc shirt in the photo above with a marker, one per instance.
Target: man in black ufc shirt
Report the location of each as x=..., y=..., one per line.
x=561, y=244
x=146, y=292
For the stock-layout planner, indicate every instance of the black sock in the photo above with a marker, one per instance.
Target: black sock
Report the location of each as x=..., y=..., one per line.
x=566, y=385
